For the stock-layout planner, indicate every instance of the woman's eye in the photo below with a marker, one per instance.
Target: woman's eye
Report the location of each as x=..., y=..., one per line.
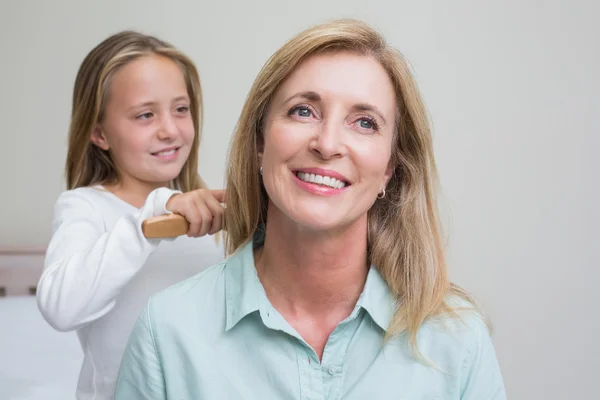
x=364, y=123
x=183, y=109
x=303, y=112
x=367, y=123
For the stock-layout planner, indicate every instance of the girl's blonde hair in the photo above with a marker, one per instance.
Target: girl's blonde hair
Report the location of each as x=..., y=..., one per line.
x=87, y=164
x=404, y=232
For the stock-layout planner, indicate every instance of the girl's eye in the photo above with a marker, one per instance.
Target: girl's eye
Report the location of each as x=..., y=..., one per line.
x=301, y=111
x=183, y=109
x=147, y=115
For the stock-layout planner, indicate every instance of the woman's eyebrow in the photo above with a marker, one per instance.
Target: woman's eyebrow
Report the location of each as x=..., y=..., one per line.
x=308, y=95
x=371, y=108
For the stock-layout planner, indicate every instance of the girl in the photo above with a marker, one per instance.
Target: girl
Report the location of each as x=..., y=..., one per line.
x=133, y=152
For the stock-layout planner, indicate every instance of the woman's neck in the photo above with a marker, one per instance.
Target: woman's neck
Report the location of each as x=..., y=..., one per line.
x=304, y=272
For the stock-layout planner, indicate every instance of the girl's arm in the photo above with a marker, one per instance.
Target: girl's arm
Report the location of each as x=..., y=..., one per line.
x=85, y=266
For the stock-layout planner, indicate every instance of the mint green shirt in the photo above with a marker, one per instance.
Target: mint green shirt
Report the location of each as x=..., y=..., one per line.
x=216, y=336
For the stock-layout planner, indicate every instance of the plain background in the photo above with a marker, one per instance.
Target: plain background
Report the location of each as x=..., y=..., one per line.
x=513, y=92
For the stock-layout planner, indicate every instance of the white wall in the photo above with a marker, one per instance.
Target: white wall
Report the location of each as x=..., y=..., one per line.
x=513, y=91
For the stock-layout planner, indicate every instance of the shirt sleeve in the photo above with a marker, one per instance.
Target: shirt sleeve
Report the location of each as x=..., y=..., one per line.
x=140, y=374
x=86, y=266
x=482, y=378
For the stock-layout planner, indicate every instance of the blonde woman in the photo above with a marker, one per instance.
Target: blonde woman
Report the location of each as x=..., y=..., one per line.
x=133, y=150
x=337, y=285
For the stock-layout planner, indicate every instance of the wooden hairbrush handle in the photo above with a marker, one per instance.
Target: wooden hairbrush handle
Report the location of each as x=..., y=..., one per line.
x=165, y=226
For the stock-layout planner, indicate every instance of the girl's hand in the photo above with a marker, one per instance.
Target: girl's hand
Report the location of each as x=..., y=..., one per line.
x=202, y=208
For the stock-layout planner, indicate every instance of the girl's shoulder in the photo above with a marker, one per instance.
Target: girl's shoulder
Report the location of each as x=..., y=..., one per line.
x=96, y=196
x=85, y=193
x=93, y=202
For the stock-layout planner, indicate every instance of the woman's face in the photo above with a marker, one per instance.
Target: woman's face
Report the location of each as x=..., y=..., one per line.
x=328, y=140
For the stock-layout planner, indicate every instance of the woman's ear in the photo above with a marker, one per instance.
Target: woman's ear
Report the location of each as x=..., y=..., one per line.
x=260, y=159
x=389, y=171
x=260, y=148
x=99, y=138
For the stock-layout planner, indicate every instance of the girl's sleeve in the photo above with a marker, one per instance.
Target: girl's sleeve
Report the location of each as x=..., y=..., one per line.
x=86, y=266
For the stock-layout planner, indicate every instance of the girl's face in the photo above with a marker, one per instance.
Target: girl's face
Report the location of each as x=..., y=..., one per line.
x=147, y=125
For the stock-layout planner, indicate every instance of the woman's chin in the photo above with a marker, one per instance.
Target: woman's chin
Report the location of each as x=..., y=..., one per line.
x=313, y=216
x=318, y=222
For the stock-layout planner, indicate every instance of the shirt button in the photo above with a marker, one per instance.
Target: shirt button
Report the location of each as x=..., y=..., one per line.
x=333, y=370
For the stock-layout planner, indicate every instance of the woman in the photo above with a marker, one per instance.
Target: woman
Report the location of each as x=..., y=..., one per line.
x=337, y=287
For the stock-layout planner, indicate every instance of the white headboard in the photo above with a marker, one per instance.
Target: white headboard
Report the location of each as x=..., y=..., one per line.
x=20, y=269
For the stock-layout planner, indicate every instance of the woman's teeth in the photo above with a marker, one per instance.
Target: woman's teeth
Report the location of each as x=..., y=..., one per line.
x=321, y=180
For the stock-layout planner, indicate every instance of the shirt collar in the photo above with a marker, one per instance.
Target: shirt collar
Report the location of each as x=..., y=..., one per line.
x=241, y=285
x=243, y=289
x=377, y=299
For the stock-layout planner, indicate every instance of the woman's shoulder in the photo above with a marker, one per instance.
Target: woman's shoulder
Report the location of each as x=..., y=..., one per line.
x=194, y=286
x=460, y=340
x=202, y=303
x=461, y=317
x=454, y=335
x=201, y=296
x=191, y=253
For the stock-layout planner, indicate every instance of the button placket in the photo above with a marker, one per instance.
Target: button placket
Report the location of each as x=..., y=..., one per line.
x=335, y=352
x=334, y=370
x=309, y=369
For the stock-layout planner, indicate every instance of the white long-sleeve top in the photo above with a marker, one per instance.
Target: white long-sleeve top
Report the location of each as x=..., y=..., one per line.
x=100, y=270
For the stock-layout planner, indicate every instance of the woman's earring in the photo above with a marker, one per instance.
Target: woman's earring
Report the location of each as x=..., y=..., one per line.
x=381, y=195
x=261, y=170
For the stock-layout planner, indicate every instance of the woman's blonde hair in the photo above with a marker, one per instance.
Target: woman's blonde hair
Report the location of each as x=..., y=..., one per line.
x=87, y=164
x=404, y=232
